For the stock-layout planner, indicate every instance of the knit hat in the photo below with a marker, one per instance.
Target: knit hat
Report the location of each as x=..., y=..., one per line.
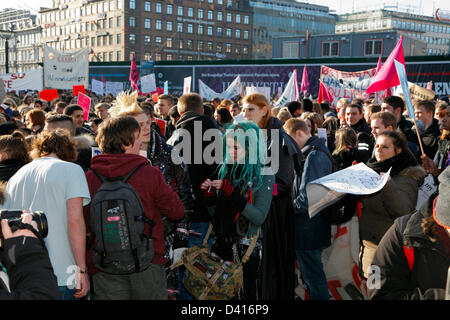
x=442, y=209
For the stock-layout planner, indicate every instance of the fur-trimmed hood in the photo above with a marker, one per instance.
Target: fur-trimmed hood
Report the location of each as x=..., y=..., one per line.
x=84, y=141
x=418, y=173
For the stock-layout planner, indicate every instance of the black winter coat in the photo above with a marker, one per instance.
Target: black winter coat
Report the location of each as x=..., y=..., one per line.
x=29, y=269
x=8, y=168
x=429, y=271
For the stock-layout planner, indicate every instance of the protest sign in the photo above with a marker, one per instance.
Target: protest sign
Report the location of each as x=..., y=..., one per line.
x=416, y=92
x=98, y=87
x=85, y=102
x=48, y=94
x=77, y=89
x=290, y=93
x=148, y=83
x=166, y=87
x=263, y=90
x=64, y=70
x=358, y=180
x=113, y=87
x=187, y=85
x=425, y=191
x=29, y=80
x=349, y=85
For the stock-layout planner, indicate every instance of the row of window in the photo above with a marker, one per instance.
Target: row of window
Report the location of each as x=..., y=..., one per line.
x=83, y=27
x=382, y=24
x=200, y=13
x=158, y=5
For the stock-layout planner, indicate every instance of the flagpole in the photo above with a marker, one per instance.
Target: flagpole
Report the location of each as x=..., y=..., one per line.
x=418, y=136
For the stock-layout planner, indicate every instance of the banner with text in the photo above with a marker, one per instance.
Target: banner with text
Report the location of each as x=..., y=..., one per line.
x=29, y=80
x=64, y=70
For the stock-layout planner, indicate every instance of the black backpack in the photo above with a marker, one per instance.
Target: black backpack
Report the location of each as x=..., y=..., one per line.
x=342, y=210
x=117, y=220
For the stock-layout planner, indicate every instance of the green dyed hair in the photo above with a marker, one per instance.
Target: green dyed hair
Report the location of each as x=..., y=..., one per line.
x=250, y=136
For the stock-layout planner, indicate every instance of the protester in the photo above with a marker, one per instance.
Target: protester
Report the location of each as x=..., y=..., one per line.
x=412, y=259
x=396, y=106
x=284, y=115
x=101, y=110
x=51, y=183
x=370, y=110
x=441, y=108
x=427, y=126
x=312, y=236
x=295, y=108
x=240, y=199
x=397, y=198
x=331, y=124
x=346, y=152
x=35, y=120
x=165, y=102
x=278, y=229
x=223, y=118
x=119, y=141
x=13, y=155
x=94, y=123
x=60, y=106
x=76, y=113
x=340, y=108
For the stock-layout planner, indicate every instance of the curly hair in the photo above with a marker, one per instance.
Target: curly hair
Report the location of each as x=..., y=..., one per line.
x=15, y=146
x=57, y=142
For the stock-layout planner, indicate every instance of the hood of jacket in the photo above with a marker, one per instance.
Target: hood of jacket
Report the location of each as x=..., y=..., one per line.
x=84, y=141
x=418, y=173
x=187, y=117
x=115, y=165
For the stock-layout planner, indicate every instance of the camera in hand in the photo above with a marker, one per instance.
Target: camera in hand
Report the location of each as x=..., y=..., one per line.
x=15, y=220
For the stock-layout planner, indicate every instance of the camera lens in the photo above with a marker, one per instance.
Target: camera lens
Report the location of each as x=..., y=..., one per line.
x=42, y=223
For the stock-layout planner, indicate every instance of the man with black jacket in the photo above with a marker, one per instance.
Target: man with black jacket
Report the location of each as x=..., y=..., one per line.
x=27, y=264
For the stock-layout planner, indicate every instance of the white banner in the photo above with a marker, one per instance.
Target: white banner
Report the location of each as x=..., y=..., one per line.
x=206, y=92
x=187, y=85
x=114, y=88
x=98, y=87
x=29, y=80
x=358, y=180
x=263, y=90
x=290, y=93
x=233, y=89
x=148, y=83
x=64, y=70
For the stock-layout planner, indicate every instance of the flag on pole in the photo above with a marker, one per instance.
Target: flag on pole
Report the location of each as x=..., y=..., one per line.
x=324, y=94
x=290, y=93
x=305, y=82
x=378, y=65
x=233, y=89
x=134, y=76
x=387, y=76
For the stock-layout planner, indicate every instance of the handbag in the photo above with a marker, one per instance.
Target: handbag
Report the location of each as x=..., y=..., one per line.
x=207, y=277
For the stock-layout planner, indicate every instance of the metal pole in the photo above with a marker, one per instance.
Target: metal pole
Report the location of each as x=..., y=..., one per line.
x=6, y=57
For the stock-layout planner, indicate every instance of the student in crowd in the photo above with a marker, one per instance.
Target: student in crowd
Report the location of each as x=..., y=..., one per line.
x=224, y=118
x=101, y=110
x=295, y=108
x=427, y=126
x=369, y=110
x=412, y=259
x=396, y=106
x=119, y=140
x=165, y=102
x=13, y=154
x=312, y=235
x=35, y=120
x=240, y=199
x=76, y=113
x=278, y=229
x=51, y=183
x=346, y=151
x=284, y=115
x=397, y=198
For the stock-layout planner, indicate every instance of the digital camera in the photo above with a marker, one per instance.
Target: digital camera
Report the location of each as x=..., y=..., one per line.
x=14, y=220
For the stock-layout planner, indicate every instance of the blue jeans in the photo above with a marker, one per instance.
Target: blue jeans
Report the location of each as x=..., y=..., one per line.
x=311, y=269
x=194, y=240
x=66, y=293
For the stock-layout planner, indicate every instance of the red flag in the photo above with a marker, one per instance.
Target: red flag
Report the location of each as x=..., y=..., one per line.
x=324, y=94
x=378, y=65
x=48, y=94
x=387, y=76
x=305, y=82
x=134, y=76
x=77, y=89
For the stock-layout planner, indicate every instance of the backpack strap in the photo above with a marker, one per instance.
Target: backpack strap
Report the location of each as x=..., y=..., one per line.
x=128, y=176
x=104, y=179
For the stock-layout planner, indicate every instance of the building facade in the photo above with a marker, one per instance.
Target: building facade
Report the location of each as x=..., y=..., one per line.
x=20, y=29
x=435, y=33
x=346, y=45
x=274, y=19
x=153, y=30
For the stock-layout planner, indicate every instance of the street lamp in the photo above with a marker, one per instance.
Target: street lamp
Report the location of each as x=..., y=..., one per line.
x=6, y=35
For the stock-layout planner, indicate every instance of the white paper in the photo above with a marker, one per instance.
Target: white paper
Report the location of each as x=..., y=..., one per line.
x=114, y=88
x=322, y=134
x=187, y=85
x=148, y=83
x=263, y=90
x=98, y=87
x=28, y=80
x=425, y=191
x=358, y=180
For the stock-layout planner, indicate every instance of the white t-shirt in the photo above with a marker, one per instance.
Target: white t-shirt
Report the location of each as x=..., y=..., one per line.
x=45, y=184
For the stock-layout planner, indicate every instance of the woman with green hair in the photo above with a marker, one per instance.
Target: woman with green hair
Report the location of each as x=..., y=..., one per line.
x=240, y=200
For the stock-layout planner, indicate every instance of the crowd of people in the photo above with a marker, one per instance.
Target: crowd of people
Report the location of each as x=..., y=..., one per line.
x=266, y=158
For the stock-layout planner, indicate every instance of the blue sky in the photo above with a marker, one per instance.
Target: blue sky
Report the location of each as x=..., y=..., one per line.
x=341, y=6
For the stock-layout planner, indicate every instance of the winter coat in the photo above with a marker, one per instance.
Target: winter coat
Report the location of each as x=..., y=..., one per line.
x=278, y=243
x=156, y=196
x=8, y=168
x=311, y=233
x=198, y=172
x=346, y=157
x=430, y=139
x=443, y=154
x=429, y=271
x=29, y=270
x=379, y=210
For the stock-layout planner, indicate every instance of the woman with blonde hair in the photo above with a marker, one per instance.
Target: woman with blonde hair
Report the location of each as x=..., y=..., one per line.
x=278, y=229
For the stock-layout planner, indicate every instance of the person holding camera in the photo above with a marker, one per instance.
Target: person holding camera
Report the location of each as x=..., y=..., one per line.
x=26, y=272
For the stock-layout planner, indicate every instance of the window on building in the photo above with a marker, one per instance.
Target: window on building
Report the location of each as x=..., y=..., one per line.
x=238, y=18
x=237, y=33
x=148, y=6
x=158, y=7
x=179, y=27
x=169, y=9
x=119, y=38
x=290, y=49
x=209, y=46
x=200, y=29
x=190, y=28
x=132, y=4
x=169, y=26
x=169, y=57
x=228, y=32
x=110, y=23
x=246, y=34
x=245, y=49
x=189, y=44
x=210, y=15
x=158, y=25
x=373, y=47
x=132, y=22
x=219, y=16
x=228, y=48
x=180, y=11
x=169, y=42
x=219, y=32
x=158, y=56
x=229, y=17
x=147, y=40
x=200, y=13
x=158, y=41
x=190, y=12
x=246, y=20
x=119, y=21
x=119, y=55
x=147, y=23
x=330, y=49
x=210, y=31
x=219, y=47
x=132, y=38
x=200, y=46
